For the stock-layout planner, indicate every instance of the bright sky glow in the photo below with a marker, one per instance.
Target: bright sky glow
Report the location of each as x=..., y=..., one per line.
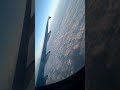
x=43, y=9
x=52, y=13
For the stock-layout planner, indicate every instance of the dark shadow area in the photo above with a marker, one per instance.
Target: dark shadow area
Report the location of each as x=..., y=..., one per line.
x=102, y=45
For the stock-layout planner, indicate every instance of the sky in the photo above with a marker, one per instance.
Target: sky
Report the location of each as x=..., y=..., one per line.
x=43, y=9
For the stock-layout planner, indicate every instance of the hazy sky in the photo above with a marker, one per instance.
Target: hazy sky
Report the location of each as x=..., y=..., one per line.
x=43, y=9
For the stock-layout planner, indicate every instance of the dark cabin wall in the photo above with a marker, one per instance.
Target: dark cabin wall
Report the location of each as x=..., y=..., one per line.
x=11, y=22
x=102, y=45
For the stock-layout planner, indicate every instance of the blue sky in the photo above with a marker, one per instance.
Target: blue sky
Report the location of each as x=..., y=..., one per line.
x=43, y=9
